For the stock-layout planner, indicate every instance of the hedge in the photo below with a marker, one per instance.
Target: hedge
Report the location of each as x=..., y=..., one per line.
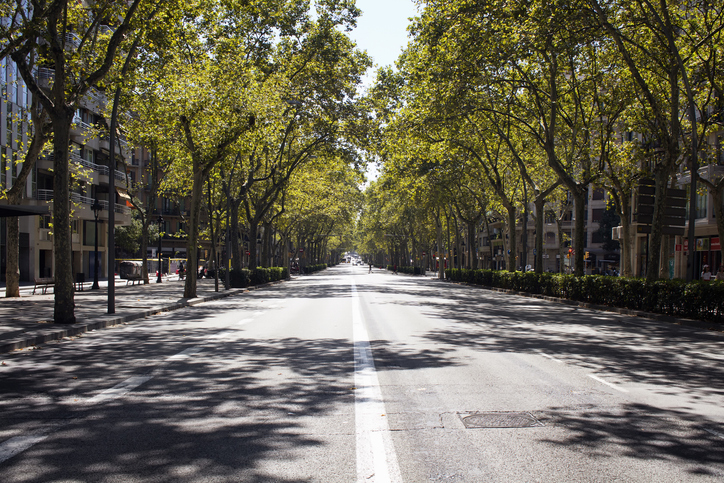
x=698, y=300
x=410, y=270
x=244, y=278
x=315, y=268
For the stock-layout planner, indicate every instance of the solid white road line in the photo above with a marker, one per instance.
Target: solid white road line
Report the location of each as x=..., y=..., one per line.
x=376, y=457
x=612, y=386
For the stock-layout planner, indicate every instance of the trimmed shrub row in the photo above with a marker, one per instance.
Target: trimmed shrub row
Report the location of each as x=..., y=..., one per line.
x=410, y=270
x=245, y=277
x=315, y=268
x=698, y=300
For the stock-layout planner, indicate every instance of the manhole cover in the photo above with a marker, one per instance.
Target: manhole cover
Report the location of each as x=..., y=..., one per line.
x=500, y=419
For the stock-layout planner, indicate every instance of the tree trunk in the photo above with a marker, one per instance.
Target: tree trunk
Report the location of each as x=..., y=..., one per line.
x=266, y=229
x=12, y=270
x=194, y=223
x=64, y=308
x=661, y=177
x=144, y=248
x=579, y=206
x=512, y=243
x=440, y=268
x=253, y=231
x=237, y=259
x=539, y=220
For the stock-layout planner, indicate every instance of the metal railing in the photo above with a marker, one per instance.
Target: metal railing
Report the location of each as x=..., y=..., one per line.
x=44, y=195
x=47, y=195
x=72, y=39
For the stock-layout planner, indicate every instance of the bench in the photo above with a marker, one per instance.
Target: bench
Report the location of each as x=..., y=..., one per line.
x=132, y=278
x=44, y=282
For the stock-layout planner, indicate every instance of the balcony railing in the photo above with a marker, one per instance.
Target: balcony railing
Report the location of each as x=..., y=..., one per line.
x=47, y=195
x=72, y=39
x=99, y=168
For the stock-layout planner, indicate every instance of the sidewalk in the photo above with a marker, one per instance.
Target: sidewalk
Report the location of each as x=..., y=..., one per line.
x=28, y=321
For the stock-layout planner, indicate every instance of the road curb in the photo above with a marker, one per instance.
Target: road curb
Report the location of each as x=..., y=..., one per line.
x=698, y=324
x=42, y=336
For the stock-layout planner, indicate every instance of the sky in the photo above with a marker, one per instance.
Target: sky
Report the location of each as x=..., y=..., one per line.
x=382, y=29
x=382, y=32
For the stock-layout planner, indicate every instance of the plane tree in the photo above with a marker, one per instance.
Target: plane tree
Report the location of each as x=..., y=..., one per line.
x=77, y=44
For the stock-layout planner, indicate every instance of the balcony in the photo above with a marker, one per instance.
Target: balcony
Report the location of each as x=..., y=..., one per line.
x=47, y=195
x=72, y=40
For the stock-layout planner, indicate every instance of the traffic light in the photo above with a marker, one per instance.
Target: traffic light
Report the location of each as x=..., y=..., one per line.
x=586, y=255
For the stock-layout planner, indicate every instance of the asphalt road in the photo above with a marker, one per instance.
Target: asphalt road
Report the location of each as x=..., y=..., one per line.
x=345, y=376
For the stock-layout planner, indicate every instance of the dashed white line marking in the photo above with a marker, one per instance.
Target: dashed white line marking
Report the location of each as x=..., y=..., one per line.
x=376, y=457
x=18, y=444
x=550, y=357
x=612, y=386
x=244, y=321
x=185, y=354
x=120, y=389
x=715, y=433
x=223, y=335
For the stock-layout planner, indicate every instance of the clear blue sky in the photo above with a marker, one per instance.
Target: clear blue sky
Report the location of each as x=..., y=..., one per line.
x=382, y=29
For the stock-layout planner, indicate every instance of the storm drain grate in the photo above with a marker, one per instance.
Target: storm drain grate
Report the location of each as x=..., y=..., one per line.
x=500, y=419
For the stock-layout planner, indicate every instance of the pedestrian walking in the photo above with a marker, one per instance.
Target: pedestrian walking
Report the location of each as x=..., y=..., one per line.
x=720, y=274
x=706, y=274
x=370, y=268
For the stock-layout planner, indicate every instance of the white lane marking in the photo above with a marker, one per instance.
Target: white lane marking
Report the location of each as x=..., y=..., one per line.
x=244, y=321
x=376, y=457
x=223, y=335
x=185, y=354
x=18, y=444
x=613, y=386
x=120, y=389
x=550, y=357
x=715, y=433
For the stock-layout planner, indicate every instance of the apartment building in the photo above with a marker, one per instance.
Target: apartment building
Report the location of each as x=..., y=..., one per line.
x=91, y=168
x=598, y=258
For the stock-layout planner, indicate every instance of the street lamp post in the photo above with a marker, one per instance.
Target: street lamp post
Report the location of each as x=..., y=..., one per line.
x=160, y=221
x=96, y=207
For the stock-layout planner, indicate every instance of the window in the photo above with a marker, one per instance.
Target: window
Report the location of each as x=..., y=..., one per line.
x=550, y=238
x=597, y=237
x=597, y=215
x=599, y=193
x=9, y=127
x=88, y=155
x=89, y=232
x=44, y=222
x=701, y=202
x=11, y=86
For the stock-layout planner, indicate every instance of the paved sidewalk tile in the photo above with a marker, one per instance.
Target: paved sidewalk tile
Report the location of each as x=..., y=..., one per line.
x=27, y=321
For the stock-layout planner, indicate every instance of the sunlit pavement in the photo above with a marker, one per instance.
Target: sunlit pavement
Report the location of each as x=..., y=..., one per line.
x=348, y=376
x=27, y=321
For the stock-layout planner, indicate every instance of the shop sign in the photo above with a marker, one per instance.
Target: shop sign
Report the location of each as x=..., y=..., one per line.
x=715, y=245
x=678, y=247
x=702, y=244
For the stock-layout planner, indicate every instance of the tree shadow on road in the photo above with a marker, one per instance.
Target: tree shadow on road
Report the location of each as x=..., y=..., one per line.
x=239, y=409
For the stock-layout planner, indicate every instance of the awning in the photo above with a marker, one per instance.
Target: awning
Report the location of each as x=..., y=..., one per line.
x=123, y=193
x=23, y=210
